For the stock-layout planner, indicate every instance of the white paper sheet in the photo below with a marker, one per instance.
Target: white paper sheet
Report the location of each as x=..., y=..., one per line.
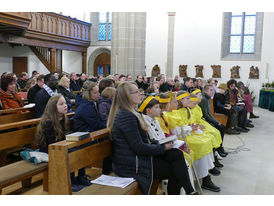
x=178, y=143
x=113, y=181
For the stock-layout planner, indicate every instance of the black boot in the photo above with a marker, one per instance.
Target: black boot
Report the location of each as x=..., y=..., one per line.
x=217, y=163
x=209, y=185
x=215, y=171
x=220, y=152
x=253, y=116
x=223, y=150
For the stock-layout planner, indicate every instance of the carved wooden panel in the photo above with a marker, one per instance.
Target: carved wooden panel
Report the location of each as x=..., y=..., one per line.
x=235, y=72
x=183, y=70
x=216, y=71
x=199, y=71
x=155, y=71
x=254, y=73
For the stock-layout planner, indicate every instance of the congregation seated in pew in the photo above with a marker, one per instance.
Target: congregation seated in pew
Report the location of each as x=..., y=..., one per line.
x=91, y=104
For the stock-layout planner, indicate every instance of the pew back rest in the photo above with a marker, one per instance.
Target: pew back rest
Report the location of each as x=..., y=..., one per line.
x=12, y=115
x=19, y=133
x=219, y=117
x=62, y=162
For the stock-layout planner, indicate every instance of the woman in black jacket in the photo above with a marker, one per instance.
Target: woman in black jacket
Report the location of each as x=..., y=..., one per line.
x=63, y=88
x=133, y=153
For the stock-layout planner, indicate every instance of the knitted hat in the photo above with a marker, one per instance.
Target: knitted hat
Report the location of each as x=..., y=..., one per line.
x=222, y=86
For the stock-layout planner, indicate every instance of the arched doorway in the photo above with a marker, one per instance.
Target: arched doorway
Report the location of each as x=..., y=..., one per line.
x=102, y=65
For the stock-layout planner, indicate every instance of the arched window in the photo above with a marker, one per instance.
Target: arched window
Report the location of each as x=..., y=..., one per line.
x=105, y=26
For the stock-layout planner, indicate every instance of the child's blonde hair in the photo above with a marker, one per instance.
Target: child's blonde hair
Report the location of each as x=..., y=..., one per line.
x=108, y=92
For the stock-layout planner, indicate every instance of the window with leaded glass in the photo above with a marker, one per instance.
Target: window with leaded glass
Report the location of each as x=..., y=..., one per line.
x=243, y=32
x=105, y=26
x=242, y=36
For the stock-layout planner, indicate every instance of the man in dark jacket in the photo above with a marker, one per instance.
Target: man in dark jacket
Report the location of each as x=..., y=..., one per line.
x=74, y=85
x=188, y=84
x=140, y=83
x=23, y=80
x=163, y=84
x=82, y=79
x=205, y=105
x=35, y=89
x=42, y=97
x=170, y=84
x=221, y=107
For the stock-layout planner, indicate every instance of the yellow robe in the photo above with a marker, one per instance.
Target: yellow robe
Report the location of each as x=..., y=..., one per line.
x=197, y=114
x=200, y=144
x=166, y=130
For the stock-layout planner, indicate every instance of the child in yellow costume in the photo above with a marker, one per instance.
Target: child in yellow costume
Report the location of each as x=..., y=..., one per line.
x=208, y=129
x=196, y=117
x=200, y=144
x=166, y=104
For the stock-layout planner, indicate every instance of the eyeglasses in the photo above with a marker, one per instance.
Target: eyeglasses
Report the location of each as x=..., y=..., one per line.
x=134, y=92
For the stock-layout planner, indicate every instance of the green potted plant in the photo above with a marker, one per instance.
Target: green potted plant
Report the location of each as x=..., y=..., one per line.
x=267, y=85
x=272, y=85
x=263, y=86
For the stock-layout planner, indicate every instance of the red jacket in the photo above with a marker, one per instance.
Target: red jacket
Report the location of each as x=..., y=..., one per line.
x=10, y=101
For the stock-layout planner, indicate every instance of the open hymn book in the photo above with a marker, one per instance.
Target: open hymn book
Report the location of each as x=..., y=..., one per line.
x=177, y=143
x=168, y=139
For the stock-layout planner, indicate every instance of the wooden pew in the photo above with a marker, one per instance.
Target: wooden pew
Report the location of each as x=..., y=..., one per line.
x=12, y=115
x=219, y=117
x=62, y=163
x=76, y=92
x=22, y=170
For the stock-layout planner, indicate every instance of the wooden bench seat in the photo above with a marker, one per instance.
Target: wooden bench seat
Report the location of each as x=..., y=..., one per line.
x=96, y=189
x=21, y=170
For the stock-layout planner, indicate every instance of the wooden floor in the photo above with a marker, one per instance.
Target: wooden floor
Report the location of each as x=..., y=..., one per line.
x=37, y=187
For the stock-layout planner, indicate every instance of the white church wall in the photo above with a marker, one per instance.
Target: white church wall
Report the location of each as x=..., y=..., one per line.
x=198, y=39
x=7, y=53
x=72, y=61
x=156, y=40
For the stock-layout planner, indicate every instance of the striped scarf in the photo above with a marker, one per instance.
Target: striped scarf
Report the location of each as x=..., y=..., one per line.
x=232, y=98
x=49, y=90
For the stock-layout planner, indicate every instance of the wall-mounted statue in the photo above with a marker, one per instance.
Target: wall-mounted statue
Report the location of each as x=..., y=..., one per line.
x=199, y=71
x=155, y=71
x=254, y=73
x=182, y=70
x=235, y=72
x=216, y=71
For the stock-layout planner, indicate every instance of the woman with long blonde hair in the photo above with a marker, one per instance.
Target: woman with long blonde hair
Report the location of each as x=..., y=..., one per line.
x=134, y=155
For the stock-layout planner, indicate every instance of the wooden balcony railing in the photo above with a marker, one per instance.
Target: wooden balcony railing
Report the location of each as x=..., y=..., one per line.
x=50, y=30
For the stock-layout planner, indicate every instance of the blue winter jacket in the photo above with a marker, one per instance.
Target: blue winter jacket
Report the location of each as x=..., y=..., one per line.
x=86, y=117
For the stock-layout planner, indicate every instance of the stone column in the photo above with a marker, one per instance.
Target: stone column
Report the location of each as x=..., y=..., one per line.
x=128, y=43
x=170, y=44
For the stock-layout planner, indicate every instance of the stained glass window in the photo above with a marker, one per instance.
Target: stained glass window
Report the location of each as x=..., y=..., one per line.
x=100, y=71
x=242, y=33
x=105, y=26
